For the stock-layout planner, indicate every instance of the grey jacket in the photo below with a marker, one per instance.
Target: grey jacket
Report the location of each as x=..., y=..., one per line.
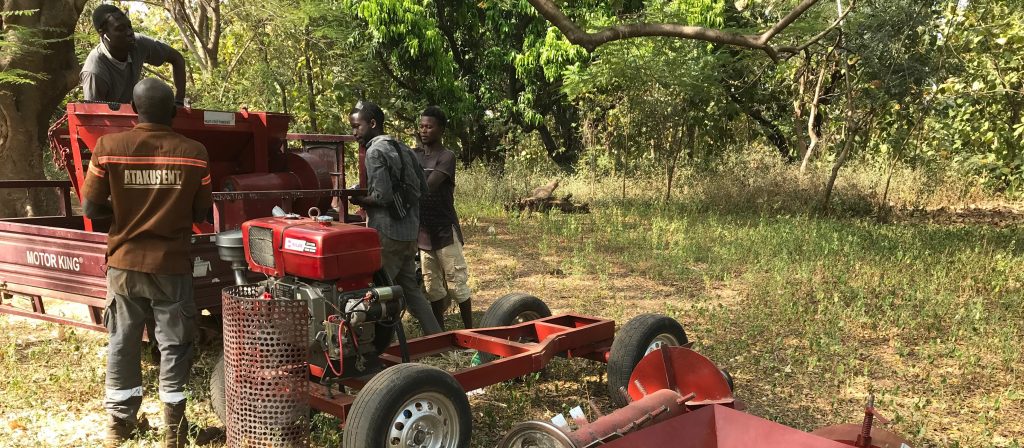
x=382, y=165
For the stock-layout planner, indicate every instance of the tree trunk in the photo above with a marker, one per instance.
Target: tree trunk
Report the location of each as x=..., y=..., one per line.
x=813, y=116
x=200, y=29
x=675, y=143
x=550, y=145
x=800, y=143
x=310, y=91
x=485, y=144
x=26, y=110
x=567, y=123
x=896, y=157
x=840, y=161
x=467, y=146
x=770, y=130
x=850, y=130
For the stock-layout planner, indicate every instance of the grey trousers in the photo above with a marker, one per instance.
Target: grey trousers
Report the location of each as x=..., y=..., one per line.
x=132, y=298
x=397, y=258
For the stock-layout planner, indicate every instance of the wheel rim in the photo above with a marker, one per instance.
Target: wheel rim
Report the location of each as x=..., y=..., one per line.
x=427, y=420
x=534, y=439
x=535, y=435
x=526, y=316
x=662, y=340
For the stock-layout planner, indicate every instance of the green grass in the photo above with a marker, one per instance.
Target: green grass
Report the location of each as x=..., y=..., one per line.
x=809, y=311
x=927, y=317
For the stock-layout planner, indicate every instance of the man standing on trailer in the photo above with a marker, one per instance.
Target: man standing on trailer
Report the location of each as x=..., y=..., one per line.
x=115, y=65
x=445, y=275
x=393, y=172
x=154, y=183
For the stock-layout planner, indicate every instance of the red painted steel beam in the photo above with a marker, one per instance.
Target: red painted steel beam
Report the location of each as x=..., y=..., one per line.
x=561, y=334
x=721, y=427
x=322, y=138
x=289, y=194
x=48, y=221
x=7, y=309
x=53, y=294
x=337, y=404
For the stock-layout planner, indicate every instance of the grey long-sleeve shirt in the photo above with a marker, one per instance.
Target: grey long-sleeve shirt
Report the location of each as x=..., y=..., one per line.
x=382, y=164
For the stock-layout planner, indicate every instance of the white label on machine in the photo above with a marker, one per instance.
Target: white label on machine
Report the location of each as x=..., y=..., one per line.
x=300, y=245
x=219, y=118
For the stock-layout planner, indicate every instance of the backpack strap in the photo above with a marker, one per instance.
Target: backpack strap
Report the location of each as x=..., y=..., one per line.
x=401, y=162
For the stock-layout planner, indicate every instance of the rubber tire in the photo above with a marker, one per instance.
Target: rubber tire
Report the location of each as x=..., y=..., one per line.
x=378, y=402
x=217, y=400
x=503, y=312
x=729, y=380
x=629, y=346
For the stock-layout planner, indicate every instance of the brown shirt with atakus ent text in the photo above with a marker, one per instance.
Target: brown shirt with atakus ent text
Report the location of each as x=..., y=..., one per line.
x=157, y=180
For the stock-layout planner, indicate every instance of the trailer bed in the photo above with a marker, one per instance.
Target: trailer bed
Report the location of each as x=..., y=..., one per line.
x=54, y=257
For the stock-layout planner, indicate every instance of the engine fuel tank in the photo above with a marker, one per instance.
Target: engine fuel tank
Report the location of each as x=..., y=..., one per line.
x=345, y=254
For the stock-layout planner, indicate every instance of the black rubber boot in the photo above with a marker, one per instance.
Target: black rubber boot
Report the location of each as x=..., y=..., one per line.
x=176, y=425
x=466, y=312
x=119, y=430
x=439, y=308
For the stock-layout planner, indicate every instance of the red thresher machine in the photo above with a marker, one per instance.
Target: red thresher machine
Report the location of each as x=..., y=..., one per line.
x=332, y=263
x=680, y=399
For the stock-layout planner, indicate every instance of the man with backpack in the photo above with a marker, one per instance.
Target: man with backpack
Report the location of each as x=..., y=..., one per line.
x=395, y=183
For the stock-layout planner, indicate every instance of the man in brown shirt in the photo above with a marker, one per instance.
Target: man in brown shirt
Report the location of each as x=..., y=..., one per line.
x=154, y=183
x=445, y=275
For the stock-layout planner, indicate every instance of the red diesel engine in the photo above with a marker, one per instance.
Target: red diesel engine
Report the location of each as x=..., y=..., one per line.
x=315, y=249
x=335, y=268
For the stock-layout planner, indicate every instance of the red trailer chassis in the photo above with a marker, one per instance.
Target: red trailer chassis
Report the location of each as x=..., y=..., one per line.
x=524, y=348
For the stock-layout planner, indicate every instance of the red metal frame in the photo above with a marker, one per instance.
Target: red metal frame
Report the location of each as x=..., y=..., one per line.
x=721, y=427
x=78, y=245
x=336, y=142
x=524, y=348
x=679, y=395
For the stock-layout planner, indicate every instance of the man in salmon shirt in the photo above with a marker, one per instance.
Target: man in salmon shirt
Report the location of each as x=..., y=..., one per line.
x=153, y=183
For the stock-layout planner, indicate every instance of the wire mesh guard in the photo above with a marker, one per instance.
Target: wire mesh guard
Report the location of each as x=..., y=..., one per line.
x=265, y=370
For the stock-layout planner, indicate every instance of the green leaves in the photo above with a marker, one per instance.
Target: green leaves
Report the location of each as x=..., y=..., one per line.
x=18, y=13
x=979, y=101
x=18, y=76
x=17, y=41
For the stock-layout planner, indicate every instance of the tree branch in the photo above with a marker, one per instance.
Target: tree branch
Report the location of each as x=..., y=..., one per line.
x=217, y=30
x=442, y=24
x=787, y=21
x=238, y=56
x=591, y=41
x=386, y=66
x=817, y=37
x=189, y=33
x=156, y=73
